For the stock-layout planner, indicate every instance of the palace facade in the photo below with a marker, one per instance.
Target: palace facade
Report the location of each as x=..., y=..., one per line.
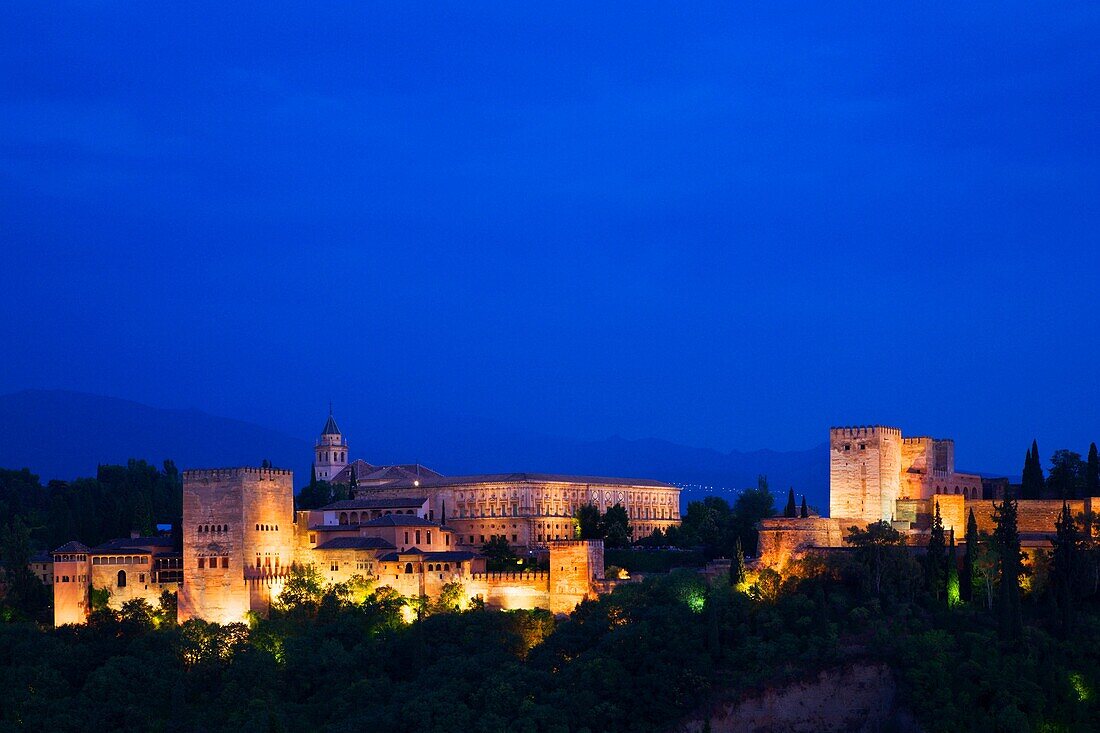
x=529, y=509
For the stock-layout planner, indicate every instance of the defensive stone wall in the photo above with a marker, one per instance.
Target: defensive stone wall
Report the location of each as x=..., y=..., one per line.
x=784, y=538
x=1034, y=515
x=508, y=591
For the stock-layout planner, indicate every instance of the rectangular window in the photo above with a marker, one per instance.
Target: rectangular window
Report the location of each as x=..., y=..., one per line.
x=481, y=538
x=514, y=537
x=141, y=578
x=406, y=538
x=418, y=536
x=447, y=540
x=313, y=539
x=202, y=563
x=225, y=561
x=429, y=539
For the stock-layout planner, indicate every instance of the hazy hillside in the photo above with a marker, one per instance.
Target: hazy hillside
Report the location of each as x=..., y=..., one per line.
x=61, y=434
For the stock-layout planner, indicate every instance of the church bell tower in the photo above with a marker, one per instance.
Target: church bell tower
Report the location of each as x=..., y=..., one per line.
x=330, y=455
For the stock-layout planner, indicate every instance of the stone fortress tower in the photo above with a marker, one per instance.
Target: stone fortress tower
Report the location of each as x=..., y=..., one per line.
x=239, y=541
x=330, y=454
x=871, y=467
x=865, y=468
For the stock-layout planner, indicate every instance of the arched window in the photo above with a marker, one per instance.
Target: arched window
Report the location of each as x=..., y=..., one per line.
x=121, y=578
x=343, y=517
x=355, y=517
x=446, y=566
x=408, y=568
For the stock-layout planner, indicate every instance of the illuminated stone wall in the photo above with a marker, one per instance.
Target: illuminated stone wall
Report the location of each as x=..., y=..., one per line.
x=1034, y=515
x=574, y=566
x=509, y=591
x=782, y=539
x=140, y=579
x=70, y=589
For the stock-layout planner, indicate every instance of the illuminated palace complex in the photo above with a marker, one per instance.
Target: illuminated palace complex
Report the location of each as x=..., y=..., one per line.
x=876, y=474
x=406, y=526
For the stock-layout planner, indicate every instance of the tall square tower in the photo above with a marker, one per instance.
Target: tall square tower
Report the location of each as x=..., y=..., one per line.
x=864, y=472
x=238, y=540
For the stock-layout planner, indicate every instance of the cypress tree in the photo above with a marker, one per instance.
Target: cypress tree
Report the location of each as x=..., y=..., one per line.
x=1025, y=475
x=966, y=574
x=805, y=511
x=954, y=596
x=1032, y=483
x=790, y=510
x=737, y=567
x=1064, y=563
x=1092, y=473
x=936, y=557
x=1006, y=535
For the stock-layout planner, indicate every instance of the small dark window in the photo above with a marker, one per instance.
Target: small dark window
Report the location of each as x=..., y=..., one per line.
x=121, y=578
x=225, y=561
x=202, y=563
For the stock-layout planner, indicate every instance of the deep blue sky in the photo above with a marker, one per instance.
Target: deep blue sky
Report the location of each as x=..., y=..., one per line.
x=725, y=226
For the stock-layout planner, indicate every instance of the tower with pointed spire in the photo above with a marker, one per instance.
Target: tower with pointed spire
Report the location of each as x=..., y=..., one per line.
x=330, y=454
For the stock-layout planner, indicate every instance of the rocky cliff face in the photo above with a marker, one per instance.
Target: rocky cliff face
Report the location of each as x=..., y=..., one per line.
x=858, y=697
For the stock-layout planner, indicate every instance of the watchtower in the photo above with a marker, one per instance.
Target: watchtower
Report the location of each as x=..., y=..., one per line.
x=238, y=540
x=864, y=472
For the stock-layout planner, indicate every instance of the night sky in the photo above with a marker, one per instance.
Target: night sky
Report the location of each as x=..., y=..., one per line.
x=725, y=226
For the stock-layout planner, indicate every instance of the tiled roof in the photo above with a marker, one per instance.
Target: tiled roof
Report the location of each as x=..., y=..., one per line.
x=120, y=551
x=361, y=468
x=42, y=556
x=396, y=556
x=368, y=474
x=71, y=547
x=134, y=542
x=452, y=556
x=330, y=426
x=402, y=502
x=399, y=520
x=531, y=478
x=355, y=543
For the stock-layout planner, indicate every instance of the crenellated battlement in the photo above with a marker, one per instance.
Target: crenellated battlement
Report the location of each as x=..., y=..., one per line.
x=216, y=474
x=863, y=431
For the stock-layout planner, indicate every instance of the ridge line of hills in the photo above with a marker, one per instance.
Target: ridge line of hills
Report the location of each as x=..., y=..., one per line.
x=60, y=434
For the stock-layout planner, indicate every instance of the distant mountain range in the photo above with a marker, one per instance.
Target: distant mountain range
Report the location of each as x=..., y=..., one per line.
x=59, y=434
